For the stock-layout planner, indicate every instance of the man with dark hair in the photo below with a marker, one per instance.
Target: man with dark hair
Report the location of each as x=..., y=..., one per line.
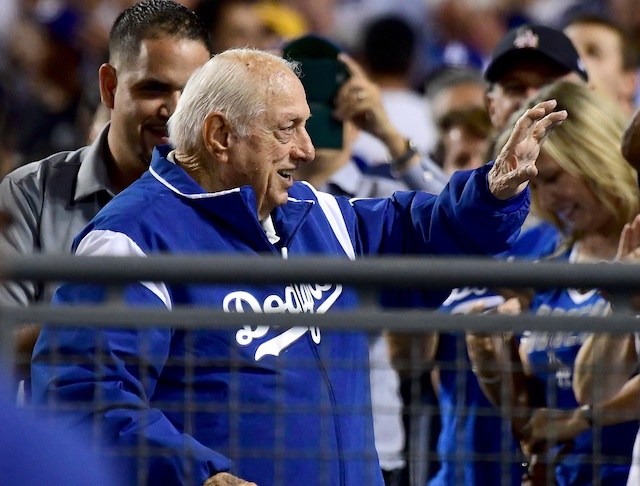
x=389, y=46
x=387, y=52
x=154, y=46
x=608, y=55
x=151, y=19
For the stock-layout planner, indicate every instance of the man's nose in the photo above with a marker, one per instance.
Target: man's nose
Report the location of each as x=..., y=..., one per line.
x=304, y=149
x=169, y=104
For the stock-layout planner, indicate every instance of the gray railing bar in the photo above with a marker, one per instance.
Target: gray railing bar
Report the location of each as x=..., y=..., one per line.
x=417, y=272
x=409, y=320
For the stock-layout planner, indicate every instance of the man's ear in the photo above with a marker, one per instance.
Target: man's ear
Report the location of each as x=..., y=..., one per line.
x=108, y=83
x=216, y=133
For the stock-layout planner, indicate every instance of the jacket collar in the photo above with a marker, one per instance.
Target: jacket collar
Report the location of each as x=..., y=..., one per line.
x=92, y=175
x=233, y=206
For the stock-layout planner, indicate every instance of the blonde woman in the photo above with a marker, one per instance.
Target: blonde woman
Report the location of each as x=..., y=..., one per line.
x=588, y=191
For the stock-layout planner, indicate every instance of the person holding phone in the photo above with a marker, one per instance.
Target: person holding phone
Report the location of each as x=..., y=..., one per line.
x=359, y=108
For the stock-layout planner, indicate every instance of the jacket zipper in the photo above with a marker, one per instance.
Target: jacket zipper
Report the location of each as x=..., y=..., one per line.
x=332, y=398
x=336, y=423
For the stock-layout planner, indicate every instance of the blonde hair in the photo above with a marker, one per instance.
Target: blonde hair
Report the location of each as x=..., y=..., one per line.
x=587, y=146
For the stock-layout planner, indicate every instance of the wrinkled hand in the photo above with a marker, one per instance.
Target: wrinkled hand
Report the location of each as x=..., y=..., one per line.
x=359, y=100
x=515, y=165
x=552, y=426
x=226, y=479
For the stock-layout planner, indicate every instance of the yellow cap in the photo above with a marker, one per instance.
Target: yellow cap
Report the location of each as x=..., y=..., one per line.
x=283, y=20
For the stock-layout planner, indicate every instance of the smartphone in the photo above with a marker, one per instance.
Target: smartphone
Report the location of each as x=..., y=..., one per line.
x=322, y=76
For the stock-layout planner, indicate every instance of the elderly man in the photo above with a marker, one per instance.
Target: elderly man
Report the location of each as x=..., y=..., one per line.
x=265, y=404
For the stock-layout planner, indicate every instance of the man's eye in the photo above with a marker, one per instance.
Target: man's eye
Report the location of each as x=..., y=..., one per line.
x=514, y=89
x=153, y=89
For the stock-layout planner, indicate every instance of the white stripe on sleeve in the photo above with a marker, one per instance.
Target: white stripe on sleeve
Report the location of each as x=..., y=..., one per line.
x=331, y=210
x=112, y=243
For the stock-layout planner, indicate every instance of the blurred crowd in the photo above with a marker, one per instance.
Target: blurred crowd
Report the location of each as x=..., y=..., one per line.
x=50, y=50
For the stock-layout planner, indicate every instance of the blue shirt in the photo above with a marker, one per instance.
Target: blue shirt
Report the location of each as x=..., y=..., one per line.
x=474, y=440
x=552, y=356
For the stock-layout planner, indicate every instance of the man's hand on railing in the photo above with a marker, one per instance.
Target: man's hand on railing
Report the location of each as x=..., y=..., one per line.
x=226, y=479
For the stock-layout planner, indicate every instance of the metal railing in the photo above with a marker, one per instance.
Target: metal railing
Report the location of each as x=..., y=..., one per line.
x=368, y=275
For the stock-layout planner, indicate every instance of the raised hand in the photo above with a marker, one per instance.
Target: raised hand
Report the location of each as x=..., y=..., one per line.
x=629, y=252
x=359, y=100
x=515, y=165
x=629, y=245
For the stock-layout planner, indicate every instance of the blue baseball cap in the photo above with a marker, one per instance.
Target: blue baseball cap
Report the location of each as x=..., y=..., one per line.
x=534, y=42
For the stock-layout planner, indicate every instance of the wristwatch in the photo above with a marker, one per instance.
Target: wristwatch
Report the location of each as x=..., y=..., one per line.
x=401, y=161
x=586, y=412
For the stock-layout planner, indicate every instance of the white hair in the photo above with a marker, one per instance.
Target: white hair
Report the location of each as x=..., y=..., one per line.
x=228, y=83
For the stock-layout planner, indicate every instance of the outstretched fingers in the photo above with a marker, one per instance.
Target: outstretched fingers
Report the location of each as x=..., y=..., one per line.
x=352, y=66
x=546, y=125
x=538, y=122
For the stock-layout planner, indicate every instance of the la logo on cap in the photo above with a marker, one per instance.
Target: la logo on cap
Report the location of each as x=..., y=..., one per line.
x=526, y=38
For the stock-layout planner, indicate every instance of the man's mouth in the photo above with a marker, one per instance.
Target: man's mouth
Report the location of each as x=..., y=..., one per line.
x=161, y=133
x=286, y=174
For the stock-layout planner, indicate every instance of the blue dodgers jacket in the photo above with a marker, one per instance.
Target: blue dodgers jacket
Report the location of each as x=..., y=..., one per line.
x=271, y=405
